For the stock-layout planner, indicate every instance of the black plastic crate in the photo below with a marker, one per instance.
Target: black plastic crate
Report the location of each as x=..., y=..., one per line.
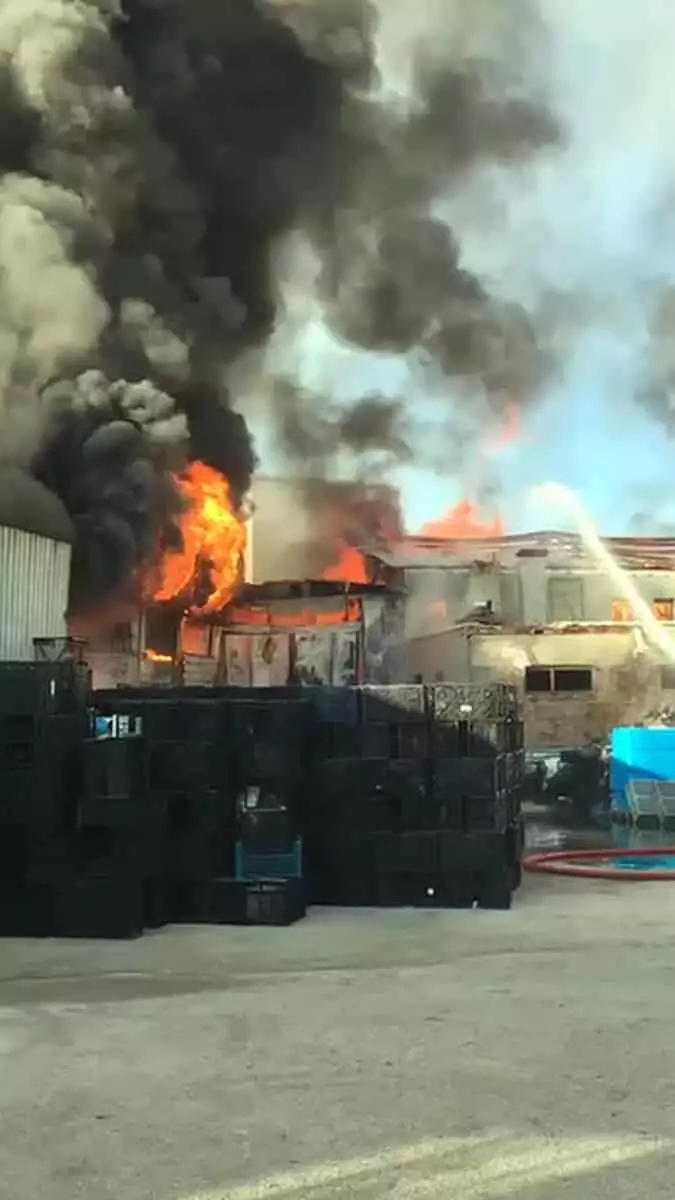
x=100, y=852
x=33, y=855
x=156, y=911
x=378, y=739
x=423, y=812
x=185, y=901
x=114, y=768
x=516, y=735
x=468, y=739
x=472, y=852
x=255, y=902
x=60, y=649
x=514, y=775
x=100, y=908
x=353, y=741
x=393, y=703
x=411, y=740
x=43, y=796
x=199, y=855
x=167, y=716
x=334, y=705
x=479, y=777
x=450, y=703
x=406, y=853
x=392, y=789
x=340, y=868
x=480, y=813
x=189, y=720
x=367, y=794
x=475, y=814
x=434, y=890
x=283, y=763
x=27, y=910
x=44, y=688
x=145, y=810
x=495, y=887
x=28, y=740
x=265, y=720
x=210, y=811
x=267, y=830
x=188, y=767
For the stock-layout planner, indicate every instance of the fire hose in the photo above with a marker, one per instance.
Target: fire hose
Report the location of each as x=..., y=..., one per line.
x=629, y=865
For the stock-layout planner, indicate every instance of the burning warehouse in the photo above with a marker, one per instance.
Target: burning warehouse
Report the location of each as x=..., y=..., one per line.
x=220, y=609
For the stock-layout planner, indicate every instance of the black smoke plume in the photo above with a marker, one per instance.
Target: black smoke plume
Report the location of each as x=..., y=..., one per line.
x=153, y=155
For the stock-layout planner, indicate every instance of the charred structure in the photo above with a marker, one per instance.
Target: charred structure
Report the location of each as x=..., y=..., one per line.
x=539, y=611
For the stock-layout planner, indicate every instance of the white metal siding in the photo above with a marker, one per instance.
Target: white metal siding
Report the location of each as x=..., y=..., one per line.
x=34, y=580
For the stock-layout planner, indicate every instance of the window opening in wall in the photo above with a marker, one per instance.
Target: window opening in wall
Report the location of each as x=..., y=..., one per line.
x=622, y=611
x=668, y=677
x=572, y=679
x=664, y=608
x=538, y=679
x=558, y=679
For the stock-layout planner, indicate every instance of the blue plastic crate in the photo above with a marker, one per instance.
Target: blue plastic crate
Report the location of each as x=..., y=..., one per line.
x=638, y=753
x=249, y=865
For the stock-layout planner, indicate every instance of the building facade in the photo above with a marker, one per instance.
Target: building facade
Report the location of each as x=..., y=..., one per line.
x=590, y=642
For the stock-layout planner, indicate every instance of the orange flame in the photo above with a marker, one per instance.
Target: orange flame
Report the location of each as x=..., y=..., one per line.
x=462, y=522
x=267, y=618
x=349, y=566
x=214, y=538
x=154, y=656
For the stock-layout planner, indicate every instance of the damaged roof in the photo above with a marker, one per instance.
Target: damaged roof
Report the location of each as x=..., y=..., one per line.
x=633, y=553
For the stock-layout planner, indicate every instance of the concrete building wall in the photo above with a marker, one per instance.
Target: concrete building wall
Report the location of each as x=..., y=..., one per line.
x=531, y=593
x=627, y=677
x=626, y=681
x=280, y=532
x=598, y=592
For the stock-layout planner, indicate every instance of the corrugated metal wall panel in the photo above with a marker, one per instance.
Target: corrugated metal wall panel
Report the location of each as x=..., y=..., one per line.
x=34, y=580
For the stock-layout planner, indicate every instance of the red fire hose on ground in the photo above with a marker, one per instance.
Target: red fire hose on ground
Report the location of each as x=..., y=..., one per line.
x=630, y=866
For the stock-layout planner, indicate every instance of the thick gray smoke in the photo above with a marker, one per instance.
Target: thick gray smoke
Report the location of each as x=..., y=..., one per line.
x=151, y=153
x=386, y=274
x=153, y=156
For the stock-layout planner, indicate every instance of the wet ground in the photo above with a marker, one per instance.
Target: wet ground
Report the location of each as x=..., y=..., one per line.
x=556, y=827
x=360, y=1055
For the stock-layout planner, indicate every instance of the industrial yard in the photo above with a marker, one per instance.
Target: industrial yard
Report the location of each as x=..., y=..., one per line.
x=357, y=1055
x=337, y=601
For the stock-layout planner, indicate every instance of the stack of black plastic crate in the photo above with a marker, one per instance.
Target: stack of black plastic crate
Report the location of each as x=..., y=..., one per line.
x=272, y=735
x=43, y=719
x=370, y=786
x=114, y=842
x=477, y=771
x=416, y=796
x=212, y=755
x=180, y=827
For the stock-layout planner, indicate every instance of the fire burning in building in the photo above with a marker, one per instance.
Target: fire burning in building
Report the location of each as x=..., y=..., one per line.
x=207, y=568
x=350, y=565
x=462, y=523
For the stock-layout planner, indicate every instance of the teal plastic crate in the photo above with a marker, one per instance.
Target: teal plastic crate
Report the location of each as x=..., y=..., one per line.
x=253, y=865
